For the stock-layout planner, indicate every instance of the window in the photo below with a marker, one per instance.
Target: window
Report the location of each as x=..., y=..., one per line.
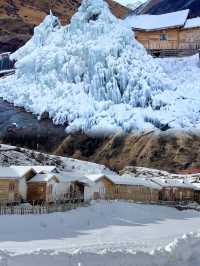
x=163, y=37
x=11, y=187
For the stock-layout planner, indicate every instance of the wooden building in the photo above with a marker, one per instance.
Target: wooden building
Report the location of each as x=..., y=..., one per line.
x=60, y=187
x=41, y=188
x=175, y=190
x=72, y=186
x=13, y=184
x=167, y=34
x=108, y=186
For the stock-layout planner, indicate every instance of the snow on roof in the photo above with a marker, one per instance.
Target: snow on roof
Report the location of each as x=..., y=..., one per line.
x=125, y=180
x=42, y=177
x=37, y=168
x=72, y=177
x=172, y=183
x=192, y=23
x=153, y=22
x=11, y=173
x=196, y=185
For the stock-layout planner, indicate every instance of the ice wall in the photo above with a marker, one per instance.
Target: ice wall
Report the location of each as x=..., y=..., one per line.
x=92, y=74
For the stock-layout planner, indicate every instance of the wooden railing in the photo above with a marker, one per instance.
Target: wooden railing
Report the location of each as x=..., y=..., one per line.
x=171, y=45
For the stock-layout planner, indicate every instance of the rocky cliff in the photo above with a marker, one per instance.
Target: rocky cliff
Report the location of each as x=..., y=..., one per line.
x=171, y=150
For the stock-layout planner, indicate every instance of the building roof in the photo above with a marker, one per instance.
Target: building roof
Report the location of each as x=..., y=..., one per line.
x=37, y=168
x=196, y=186
x=72, y=177
x=180, y=183
x=46, y=177
x=192, y=23
x=125, y=180
x=12, y=173
x=156, y=22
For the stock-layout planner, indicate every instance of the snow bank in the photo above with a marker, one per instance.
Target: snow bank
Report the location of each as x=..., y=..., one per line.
x=181, y=252
x=92, y=74
x=104, y=234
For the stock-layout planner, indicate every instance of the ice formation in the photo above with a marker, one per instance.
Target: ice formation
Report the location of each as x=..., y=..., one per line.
x=91, y=74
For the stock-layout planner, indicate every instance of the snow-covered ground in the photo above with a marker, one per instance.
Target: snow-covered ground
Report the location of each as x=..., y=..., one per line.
x=106, y=233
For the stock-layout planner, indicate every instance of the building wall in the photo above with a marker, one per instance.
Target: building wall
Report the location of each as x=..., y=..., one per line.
x=190, y=38
x=176, y=39
x=71, y=190
x=8, y=191
x=151, y=39
x=36, y=191
x=107, y=190
x=177, y=194
x=22, y=185
x=197, y=196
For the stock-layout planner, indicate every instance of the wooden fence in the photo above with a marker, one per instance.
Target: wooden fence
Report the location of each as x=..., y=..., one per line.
x=40, y=209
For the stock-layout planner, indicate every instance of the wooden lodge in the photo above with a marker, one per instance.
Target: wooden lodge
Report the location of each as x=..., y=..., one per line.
x=124, y=188
x=41, y=184
x=41, y=188
x=175, y=190
x=172, y=34
x=56, y=187
x=13, y=184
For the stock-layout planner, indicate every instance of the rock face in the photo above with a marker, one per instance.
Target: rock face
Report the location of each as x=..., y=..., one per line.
x=166, y=6
x=171, y=151
x=19, y=17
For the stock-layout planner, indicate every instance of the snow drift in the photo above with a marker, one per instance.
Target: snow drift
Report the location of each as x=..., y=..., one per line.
x=91, y=74
x=181, y=252
x=102, y=234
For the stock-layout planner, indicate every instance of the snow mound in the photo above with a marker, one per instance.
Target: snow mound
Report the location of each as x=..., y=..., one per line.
x=91, y=74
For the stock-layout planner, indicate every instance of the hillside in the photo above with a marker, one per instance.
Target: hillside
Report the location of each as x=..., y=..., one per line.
x=19, y=17
x=171, y=151
x=166, y=6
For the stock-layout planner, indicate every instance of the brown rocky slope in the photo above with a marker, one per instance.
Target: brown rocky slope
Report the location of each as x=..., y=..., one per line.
x=170, y=150
x=19, y=17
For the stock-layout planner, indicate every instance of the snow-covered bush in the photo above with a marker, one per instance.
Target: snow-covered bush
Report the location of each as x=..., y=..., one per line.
x=91, y=73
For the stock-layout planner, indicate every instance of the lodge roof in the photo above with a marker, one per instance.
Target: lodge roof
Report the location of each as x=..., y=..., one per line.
x=175, y=183
x=125, y=180
x=37, y=168
x=192, y=23
x=11, y=173
x=45, y=177
x=72, y=177
x=156, y=22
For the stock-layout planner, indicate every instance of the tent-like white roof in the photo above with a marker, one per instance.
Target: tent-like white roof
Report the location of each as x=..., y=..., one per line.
x=155, y=22
x=192, y=23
